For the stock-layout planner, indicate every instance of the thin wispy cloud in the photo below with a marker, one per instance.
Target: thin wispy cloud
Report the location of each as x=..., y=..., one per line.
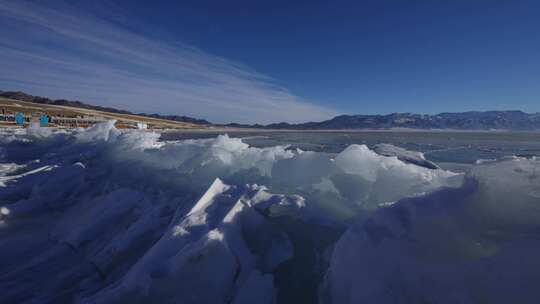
x=62, y=52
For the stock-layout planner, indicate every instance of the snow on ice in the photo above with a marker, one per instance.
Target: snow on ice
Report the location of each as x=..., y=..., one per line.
x=109, y=216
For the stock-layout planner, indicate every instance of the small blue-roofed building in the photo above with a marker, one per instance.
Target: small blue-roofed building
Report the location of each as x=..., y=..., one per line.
x=43, y=120
x=19, y=118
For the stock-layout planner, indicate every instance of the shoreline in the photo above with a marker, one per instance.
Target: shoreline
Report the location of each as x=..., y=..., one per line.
x=392, y=130
x=210, y=129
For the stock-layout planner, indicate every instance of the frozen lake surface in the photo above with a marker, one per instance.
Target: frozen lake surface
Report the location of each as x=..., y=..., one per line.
x=438, y=146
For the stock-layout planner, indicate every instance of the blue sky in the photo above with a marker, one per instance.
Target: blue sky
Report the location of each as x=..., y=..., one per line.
x=271, y=61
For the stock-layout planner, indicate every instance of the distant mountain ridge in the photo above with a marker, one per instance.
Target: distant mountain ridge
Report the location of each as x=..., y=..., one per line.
x=78, y=104
x=474, y=120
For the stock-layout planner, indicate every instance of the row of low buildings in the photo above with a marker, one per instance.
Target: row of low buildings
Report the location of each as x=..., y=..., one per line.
x=47, y=119
x=23, y=116
x=44, y=120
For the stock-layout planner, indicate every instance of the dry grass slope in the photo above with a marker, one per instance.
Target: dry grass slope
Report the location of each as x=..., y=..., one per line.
x=29, y=109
